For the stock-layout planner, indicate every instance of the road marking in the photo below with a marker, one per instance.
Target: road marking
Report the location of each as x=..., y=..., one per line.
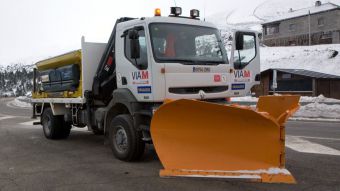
x=320, y=138
x=6, y=117
x=14, y=105
x=29, y=122
x=304, y=146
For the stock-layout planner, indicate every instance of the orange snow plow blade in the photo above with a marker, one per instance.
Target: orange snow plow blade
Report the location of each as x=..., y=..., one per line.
x=200, y=139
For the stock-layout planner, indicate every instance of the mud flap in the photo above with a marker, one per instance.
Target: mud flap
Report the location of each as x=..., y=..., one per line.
x=200, y=139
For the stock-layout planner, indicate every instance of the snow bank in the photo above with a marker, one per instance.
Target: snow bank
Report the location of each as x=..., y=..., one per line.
x=244, y=99
x=318, y=110
x=319, y=99
x=314, y=58
x=20, y=102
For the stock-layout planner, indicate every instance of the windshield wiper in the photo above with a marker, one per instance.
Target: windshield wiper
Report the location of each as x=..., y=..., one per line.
x=210, y=62
x=182, y=61
x=195, y=62
x=190, y=62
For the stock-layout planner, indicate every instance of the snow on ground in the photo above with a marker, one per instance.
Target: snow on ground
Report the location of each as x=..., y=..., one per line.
x=316, y=109
x=319, y=110
x=320, y=98
x=314, y=58
x=244, y=99
x=20, y=102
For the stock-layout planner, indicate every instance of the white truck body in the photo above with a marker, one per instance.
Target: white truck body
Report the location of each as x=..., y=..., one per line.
x=158, y=78
x=117, y=88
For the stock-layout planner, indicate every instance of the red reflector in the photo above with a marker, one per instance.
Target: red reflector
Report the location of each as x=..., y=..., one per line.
x=217, y=78
x=109, y=61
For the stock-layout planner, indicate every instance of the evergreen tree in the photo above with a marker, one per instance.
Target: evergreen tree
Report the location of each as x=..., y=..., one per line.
x=16, y=78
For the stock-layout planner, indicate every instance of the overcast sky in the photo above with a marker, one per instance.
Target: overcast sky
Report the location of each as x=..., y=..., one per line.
x=31, y=30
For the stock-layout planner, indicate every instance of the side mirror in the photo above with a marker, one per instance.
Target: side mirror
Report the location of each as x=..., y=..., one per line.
x=239, y=41
x=133, y=34
x=134, y=44
x=134, y=49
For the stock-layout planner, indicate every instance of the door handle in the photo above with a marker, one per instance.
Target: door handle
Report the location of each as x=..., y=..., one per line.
x=124, y=81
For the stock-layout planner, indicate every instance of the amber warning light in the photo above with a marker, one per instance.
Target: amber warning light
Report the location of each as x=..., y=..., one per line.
x=158, y=12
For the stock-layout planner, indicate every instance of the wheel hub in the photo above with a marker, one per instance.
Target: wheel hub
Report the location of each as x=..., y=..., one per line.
x=47, y=125
x=121, y=139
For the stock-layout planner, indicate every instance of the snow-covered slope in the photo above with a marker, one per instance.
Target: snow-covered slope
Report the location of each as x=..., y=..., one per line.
x=16, y=67
x=234, y=19
x=314, y=58
x=15, y=79
x=251, y=17
x=272, y=9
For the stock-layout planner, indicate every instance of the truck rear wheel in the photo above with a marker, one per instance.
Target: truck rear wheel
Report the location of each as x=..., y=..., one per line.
x=97, y=131
x=125, y=141
x=54, y=127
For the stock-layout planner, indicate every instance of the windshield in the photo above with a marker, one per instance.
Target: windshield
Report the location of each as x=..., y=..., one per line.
x=187, y=44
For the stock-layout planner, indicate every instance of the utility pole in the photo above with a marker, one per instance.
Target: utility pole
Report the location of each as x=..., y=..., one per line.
x=274, y=85
x=309, y=35
x=205, y=5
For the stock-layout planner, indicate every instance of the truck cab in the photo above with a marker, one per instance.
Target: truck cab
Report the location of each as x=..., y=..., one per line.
x=182, y=58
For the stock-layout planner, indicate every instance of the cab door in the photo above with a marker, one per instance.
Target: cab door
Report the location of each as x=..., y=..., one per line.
x=133, y=68
x=245, y=59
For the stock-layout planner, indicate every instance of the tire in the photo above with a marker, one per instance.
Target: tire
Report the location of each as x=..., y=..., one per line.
x=97, y=131
x=125, y=141
x=54, y=127
x=65, y=130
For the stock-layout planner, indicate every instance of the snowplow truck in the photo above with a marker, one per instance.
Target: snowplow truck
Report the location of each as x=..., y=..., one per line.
x=164, y=80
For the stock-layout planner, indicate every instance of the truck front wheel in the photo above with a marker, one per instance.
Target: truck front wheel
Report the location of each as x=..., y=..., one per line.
x=125, y=141
x=54, y=127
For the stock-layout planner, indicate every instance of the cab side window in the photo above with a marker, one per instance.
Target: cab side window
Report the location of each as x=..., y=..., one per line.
x=242, y=57
x=143, y=59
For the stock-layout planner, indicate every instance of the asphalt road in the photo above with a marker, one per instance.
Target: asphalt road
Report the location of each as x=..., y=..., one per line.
x=28, y=161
